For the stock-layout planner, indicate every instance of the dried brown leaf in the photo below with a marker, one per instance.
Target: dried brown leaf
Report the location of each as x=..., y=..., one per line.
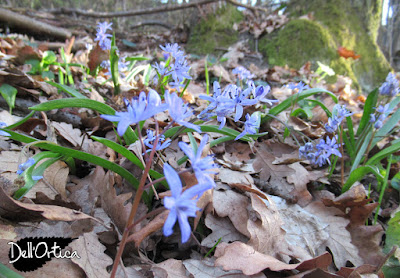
x=233, y=205
x=170, y=268
x=240, y=256
x=267, y=234
x=339, y=241
x=92, y=259
x=17, y=211
x=222, y=228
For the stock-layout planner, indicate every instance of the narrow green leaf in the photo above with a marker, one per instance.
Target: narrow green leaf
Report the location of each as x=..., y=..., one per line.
x=20, y=122
x=9, y=93
x=387, y=127
x=137, y=58
x=128, y=155
x=384, y=153
x=71, y=91
x=360, y=173
x=114, y=65
x=369, y=105
x=320, y=104
x=5, y=272
x=293, y=99
x=74, y=102
x=80, y=155
x=361, y=152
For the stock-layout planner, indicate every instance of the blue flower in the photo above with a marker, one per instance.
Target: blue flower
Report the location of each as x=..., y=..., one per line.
x=102, y=37
x=243, y=73
x=180, y=205
x=251, y=125
x=179, y=111
x=178, y=68
x=149, y=141
x=24, y=166
x=325, y=150
x=138, y=110
x=201, y=166
x=390, y=87
x=173, y=49
x=320, y=154
x=3, y=133
x=339, y=113
x=299, y=86
x=383, y=112
x=261, y=92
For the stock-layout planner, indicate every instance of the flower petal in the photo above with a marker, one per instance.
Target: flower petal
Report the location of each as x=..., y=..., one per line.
x=184, y=226
x=169, y=223
x=173, y=180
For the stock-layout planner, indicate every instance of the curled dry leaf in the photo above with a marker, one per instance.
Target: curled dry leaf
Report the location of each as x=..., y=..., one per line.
x=339, y=241
x=17, y=211
x=267, y=235
x=367, y=239
x=240, y=256
x=92, y=259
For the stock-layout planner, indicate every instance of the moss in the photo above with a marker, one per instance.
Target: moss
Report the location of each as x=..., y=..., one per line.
x=353, y=25
x=215, y=31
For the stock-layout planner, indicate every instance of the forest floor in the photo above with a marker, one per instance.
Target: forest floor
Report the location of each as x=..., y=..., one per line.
x=271, y=213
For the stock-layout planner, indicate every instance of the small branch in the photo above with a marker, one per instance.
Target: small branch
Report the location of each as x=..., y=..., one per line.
x=253, y=9
x=27, y=23
x=161, y=9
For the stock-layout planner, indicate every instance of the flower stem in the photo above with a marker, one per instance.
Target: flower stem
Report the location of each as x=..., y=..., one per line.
x=134, y=208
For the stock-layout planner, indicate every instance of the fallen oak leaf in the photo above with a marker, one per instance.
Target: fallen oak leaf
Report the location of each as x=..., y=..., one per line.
x=17, y=211
x=169, y=268
x=240, y=256
x=92, y=259
x=222, y=229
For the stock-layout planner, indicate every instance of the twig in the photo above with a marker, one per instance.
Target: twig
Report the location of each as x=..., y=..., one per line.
x=163, y=8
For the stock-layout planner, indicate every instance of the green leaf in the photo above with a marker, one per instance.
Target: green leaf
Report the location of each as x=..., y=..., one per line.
x=146, y=75
x=71, y=91
x=74, y=102
x=384, y=153
x=137, y=58
x=129, y=43
x=361, y=152
x=360, y=173
x=293, y=99
x=82, y=156
x=20, y=122
x=369, y=105
x=128, y=155
x=49, y=57
x=9, y=93
x=390, y=123
x=5, y=272
x=114, y=65
x=35, y=66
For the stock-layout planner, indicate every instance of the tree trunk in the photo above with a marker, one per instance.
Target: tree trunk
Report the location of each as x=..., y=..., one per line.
x=352, y=24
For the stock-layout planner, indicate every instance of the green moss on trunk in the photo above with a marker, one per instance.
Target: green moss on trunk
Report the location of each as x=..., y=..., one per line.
x=352, y=24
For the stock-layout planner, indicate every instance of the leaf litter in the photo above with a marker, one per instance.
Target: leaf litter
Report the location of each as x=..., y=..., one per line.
x=263, y=212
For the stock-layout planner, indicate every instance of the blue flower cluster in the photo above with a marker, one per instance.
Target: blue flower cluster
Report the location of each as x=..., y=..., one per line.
x=300, y=87
x=390, y=87
x=102, y=37
x=177, y=67
x=338, y=115
x=320, y=154
x=149, y=141
x=381, y=114
x=243, y=73
x=232, y=100
x=138, y=110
